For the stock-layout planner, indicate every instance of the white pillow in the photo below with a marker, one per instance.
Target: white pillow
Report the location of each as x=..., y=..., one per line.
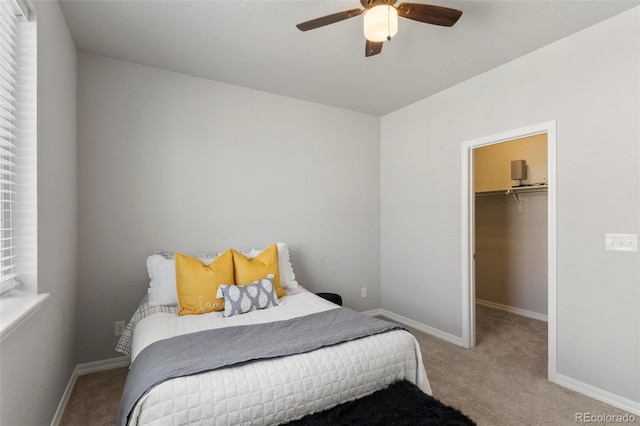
x=162, y=278
x=287, y=277
x=162, y=284
x=205, y=256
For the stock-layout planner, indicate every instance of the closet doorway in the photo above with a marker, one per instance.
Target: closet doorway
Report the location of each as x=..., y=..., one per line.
x=509, y=228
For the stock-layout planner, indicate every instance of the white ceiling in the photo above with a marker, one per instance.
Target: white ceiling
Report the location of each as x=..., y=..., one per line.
x=255, y=44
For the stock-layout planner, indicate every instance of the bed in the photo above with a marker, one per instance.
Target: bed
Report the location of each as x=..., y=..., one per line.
x=271, y=390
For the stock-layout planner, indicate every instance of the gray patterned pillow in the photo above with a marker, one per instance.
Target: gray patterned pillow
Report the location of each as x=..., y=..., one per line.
x=240, y=299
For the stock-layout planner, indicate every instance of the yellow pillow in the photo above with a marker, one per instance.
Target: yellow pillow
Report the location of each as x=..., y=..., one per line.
x=197, y=283
x=246, y=270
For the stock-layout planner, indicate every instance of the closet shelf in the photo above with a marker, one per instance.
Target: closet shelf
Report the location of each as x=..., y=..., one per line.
x=514, y=191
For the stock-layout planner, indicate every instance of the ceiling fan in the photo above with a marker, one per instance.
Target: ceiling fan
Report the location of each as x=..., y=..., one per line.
x=381, y=19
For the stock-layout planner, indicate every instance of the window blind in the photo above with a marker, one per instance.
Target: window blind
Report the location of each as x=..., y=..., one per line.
x=8, y=39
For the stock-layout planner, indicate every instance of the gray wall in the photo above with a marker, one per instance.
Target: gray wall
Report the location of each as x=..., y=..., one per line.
x=589, y=83
x=511, y=251
x=38, y=358
x=180, y=163
x=166, y=160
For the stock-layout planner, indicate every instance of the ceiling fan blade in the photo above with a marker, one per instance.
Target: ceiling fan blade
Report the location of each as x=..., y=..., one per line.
x=436, y=15
x=329, y=19
x=373, y=48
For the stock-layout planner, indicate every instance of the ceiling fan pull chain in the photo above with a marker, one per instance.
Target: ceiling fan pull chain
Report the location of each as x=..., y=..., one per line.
x=388, y=25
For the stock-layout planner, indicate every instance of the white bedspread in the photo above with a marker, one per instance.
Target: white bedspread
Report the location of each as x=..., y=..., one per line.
x=276, y=390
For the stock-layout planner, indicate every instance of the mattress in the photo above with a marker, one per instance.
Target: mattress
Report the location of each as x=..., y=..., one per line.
x=276, y=390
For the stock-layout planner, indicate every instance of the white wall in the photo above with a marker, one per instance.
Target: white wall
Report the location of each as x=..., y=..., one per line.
x=38, y=358
x=588, y=82
x=181, y=163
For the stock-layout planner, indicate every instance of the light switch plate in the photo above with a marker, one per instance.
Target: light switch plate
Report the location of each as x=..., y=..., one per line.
x=621, y=242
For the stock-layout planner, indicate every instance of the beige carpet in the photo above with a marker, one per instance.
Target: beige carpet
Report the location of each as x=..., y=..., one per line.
x=502, y=381
x=95, y=399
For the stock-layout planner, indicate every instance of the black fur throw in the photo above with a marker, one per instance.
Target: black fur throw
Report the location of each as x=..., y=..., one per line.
x=401, y=403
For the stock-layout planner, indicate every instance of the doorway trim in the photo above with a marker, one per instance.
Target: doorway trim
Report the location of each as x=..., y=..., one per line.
x=468, y=234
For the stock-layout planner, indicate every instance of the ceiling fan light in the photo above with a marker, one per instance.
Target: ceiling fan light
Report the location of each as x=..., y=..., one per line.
x=380, y=23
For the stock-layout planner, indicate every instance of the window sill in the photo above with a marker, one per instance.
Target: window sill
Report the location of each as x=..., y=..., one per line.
x=16, y=307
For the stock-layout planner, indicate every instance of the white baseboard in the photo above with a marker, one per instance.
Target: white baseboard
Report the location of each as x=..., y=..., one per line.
x=372, y=312
x=512, y=310
x=417, y=325
x=612, y=399
x=104, y=365
x=57, y=417
x=80, y=370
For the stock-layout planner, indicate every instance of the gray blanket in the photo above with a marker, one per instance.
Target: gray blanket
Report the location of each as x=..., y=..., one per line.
x=212, y=349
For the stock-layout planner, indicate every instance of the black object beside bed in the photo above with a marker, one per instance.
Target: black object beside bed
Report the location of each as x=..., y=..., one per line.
x=401, y=403
x=331, y=297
